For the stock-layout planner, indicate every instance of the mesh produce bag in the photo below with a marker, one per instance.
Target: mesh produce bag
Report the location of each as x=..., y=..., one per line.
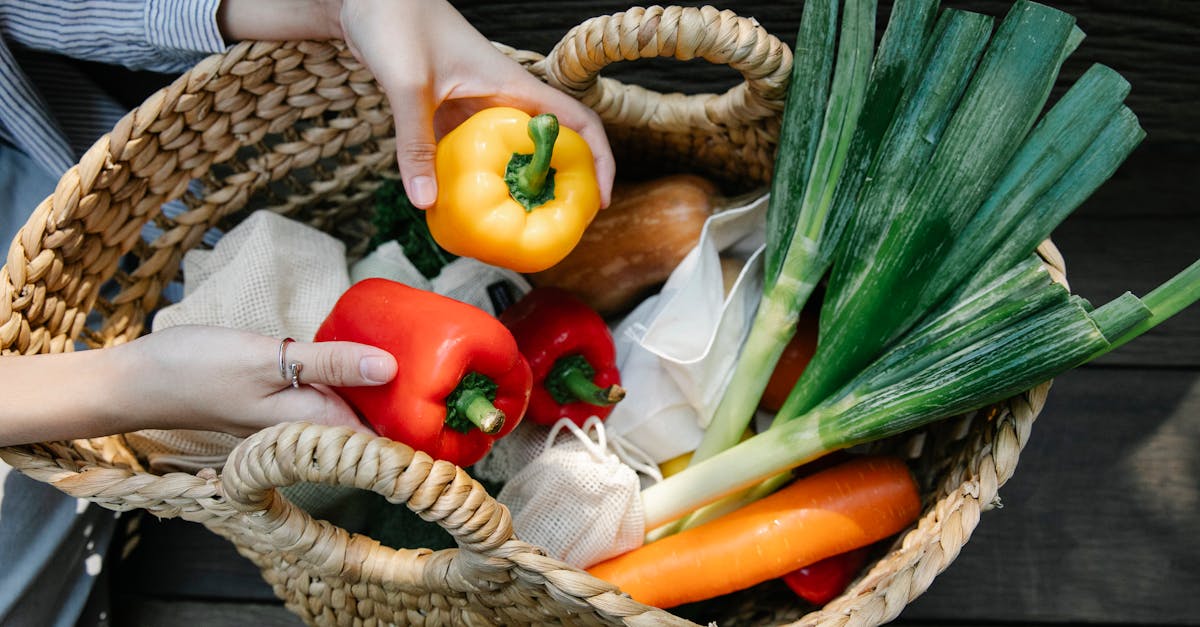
x=578, y=499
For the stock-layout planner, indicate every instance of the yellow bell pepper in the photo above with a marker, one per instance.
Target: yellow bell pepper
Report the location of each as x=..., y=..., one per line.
x=513, y=191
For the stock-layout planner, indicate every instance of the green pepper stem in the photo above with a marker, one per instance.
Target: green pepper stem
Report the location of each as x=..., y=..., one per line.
x=474, y=404
x=529, y=177
x=571, y=380
x=543, y=130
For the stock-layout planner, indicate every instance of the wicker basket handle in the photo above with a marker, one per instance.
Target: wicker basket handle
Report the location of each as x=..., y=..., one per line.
x=438, y=491
x=720, y=37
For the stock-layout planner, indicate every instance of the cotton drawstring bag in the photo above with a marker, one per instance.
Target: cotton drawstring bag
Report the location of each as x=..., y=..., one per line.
x=580, y=498
x=467, y=280
x=677, y=349
x=269, y=275
x=512, y=453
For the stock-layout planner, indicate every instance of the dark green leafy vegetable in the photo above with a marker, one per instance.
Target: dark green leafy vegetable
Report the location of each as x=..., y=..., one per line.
x=396, y=218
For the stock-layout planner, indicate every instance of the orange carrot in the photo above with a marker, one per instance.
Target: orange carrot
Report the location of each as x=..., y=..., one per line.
x=844, y=507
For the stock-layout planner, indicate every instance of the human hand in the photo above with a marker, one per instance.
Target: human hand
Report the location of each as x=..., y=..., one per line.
x=437, y=71
x=219, y=379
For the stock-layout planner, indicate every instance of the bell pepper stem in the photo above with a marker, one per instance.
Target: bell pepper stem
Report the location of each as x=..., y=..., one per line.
x=571, y=380
x=470, y=404
x=529, y=176
x=481, y=412
x=543, y=130
x=585, y=390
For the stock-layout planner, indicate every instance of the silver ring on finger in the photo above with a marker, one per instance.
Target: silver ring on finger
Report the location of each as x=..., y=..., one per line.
x=289, y=370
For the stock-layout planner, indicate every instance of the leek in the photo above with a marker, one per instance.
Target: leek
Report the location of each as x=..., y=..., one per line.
x=1165, y=301
x=779, y=309
x=954, y=50
x=877, y=298
x=926, y=191
x=1066, y=134
x=1100, y=160
x=826, y=204
x=1023, y=291
x=808, y=95
x=1011, y=359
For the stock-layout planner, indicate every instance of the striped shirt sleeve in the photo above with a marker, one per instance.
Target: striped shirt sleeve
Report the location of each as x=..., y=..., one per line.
x=157, y=35
x=25, y=119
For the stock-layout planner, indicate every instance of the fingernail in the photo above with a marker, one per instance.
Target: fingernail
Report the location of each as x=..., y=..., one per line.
x=422, y=190
x=377, y=369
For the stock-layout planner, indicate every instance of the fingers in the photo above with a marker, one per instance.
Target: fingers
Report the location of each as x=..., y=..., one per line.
x=606, y=166
x=319, y=405
x=400, y=42
x=539, y=97
x=416, y=148
x=342, y=364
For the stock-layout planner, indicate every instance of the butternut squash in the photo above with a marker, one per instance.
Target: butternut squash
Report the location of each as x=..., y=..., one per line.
x=631, y=247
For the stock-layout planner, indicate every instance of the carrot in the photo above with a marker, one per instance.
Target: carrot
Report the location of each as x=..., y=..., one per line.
x=847, y=506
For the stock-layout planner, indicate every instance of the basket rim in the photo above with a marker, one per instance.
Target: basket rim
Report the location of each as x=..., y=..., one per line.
x=102, y=469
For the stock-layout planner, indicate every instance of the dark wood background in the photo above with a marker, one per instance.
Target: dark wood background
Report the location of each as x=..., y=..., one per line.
x=1100, y=523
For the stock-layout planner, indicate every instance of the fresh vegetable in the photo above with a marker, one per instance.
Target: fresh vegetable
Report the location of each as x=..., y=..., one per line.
x=875, y=290
x=632, y=246
x=1164, y=301
x=821, y=582
x=462, y=382
x=680, y=462
x=944, y=369
x=395, y=218
x=850, y=505
x=810, y=203
x=570, y=351
x=731, y=269
x=935, y=305
x=513, y=191
x=819, y=121
x=795, y=357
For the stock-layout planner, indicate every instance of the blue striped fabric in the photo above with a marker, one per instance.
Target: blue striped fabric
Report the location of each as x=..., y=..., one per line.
x=25, y=119
x=56, y=123
x=84, y=111
x=158, y=35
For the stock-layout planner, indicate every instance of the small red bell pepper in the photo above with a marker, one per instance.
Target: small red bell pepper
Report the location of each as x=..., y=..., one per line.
x=462, y=382
x=821, y=582
x=571, y=353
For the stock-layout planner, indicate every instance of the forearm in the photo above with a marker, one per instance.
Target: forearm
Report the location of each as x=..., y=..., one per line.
x=159, y=35
x=64, y=396
x=279, y=20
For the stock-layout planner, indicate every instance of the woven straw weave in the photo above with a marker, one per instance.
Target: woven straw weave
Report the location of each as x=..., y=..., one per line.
x=303, y=129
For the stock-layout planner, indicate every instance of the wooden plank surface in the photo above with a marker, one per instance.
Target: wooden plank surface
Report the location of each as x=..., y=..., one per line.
x=1099, y=523
x=174, y=612
x=1151, y=42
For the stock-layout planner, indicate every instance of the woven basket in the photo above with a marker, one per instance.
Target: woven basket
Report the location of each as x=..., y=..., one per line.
x=303, y=129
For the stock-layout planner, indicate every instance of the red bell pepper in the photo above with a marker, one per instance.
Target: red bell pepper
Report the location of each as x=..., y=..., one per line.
x=820, y=582
x=571, y=353
x=462, y=382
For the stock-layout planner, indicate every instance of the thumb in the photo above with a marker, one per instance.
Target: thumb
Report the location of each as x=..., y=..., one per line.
x=342, y=364
x=415, y=150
